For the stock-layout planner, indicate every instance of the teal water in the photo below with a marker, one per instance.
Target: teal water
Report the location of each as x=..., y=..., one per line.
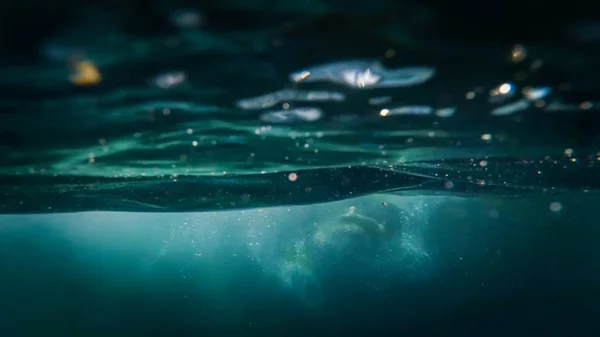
x=307, y=168
x=471, y=265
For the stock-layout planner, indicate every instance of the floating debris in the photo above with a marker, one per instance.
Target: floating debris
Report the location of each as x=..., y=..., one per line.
x=85, y=73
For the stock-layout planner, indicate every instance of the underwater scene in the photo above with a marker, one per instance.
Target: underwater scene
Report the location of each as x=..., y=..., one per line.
x=300, y=168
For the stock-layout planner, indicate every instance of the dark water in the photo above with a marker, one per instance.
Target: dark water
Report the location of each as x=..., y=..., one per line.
x=493, y=266
x=479, y=135
x=189, y=97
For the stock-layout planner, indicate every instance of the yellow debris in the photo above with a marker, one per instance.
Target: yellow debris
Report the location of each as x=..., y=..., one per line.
x=85, y=73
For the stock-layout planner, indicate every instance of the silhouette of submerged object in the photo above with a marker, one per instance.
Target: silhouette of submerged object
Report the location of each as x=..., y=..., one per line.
x=353, y=240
